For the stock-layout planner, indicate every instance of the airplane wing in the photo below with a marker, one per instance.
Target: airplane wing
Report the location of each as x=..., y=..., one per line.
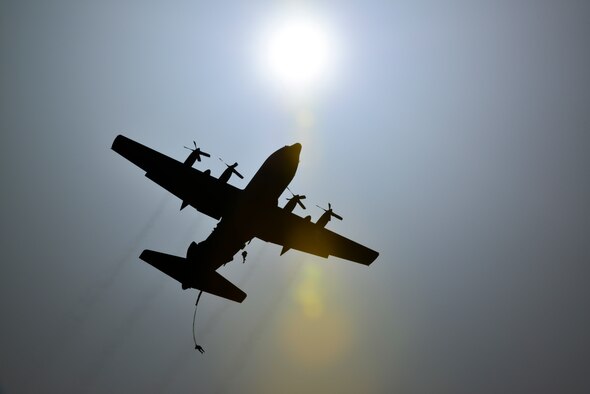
x=205, y=193
x=285, y=228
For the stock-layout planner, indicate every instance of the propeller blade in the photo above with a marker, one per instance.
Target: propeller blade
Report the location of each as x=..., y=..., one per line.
x=205, y=154
x=301, y=204
x=330, y=211
x=238, y=174
x=302, y=197
x=336, y=216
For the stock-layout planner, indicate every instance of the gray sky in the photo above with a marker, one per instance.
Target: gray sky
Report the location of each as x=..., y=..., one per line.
x=453, y=138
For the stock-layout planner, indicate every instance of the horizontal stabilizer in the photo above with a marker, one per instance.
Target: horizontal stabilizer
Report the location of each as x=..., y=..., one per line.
x=185, y=272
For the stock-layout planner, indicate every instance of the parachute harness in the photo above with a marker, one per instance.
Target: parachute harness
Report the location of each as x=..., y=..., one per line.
x=197, y=347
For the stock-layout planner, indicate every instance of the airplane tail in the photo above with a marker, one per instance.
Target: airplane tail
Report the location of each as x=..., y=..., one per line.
x=180, y=269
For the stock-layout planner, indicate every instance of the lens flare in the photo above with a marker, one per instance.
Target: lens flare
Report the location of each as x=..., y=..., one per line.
x=314, y=334
x=308, y=294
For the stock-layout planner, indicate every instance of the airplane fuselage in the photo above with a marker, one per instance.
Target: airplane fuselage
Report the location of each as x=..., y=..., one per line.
x=275, y=174
x=238, y=225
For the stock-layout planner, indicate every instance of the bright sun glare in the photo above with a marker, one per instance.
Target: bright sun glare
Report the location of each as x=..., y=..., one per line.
x=298, y=52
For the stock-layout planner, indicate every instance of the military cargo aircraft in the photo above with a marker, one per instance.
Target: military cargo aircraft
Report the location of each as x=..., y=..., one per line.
x=243, y=214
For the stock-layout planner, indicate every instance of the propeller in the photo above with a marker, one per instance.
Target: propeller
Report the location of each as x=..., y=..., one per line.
x=297, y=198
x=330, y=211
x=197, y=152
x=233, y=168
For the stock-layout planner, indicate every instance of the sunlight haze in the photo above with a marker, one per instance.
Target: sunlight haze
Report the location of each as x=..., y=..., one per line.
x=451, y=136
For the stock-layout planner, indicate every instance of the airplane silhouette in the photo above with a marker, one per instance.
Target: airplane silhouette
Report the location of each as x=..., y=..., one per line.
x=243, y=214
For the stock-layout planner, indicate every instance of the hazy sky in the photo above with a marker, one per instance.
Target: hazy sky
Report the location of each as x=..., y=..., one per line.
x=451, y=136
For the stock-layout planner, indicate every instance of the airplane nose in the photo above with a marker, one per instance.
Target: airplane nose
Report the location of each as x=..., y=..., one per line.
x=297, y=148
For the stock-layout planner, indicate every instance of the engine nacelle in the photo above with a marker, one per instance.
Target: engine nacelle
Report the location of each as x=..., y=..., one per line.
x=192, y=252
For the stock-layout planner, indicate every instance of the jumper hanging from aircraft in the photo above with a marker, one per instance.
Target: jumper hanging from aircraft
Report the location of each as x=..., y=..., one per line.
x=243, y=214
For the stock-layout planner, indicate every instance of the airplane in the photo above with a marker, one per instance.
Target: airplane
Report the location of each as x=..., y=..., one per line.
x=243, y=214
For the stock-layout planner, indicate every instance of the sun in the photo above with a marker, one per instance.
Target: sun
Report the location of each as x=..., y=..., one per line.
x=298, y=52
